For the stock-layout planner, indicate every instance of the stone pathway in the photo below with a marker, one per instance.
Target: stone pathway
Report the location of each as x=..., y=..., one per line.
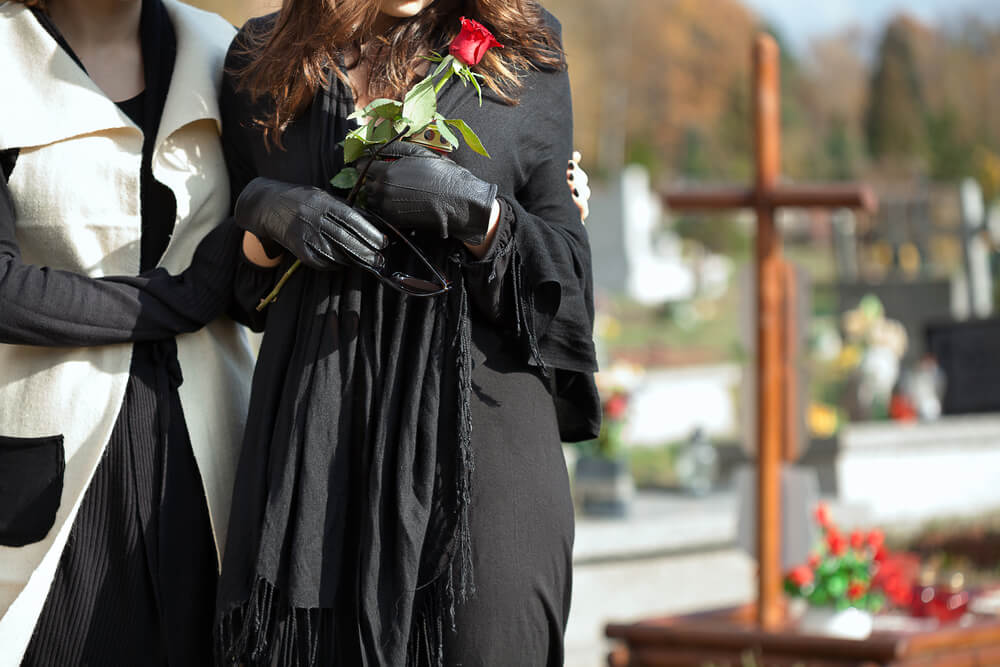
x=673, y=554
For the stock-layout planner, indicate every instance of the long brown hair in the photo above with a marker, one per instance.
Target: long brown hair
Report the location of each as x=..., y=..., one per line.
x=40, y=4
x=288, y=61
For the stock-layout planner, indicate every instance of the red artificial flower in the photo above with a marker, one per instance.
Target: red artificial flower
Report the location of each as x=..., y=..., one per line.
x=880, y=554
x=472, y=43
x=857, y=540
x=615, y=406
x=801, y=576
x=895, y=576
x=876, y=539
x=814, y=561
x=822, y=515
x=902, y=409
x=836, y=543
x=856, y=589
x=896, y=589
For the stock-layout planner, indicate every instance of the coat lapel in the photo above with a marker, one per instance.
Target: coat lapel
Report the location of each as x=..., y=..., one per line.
x=46, y=97
x=202, y=39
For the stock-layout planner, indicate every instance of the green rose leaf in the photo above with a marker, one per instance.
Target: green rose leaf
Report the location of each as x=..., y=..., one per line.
x=345, y=179
x=353, y=148
x=380, y=108
x=469, y=136
x=382, y=133
x=837, y=586
x=446, y=134
x=479, y=90
x=400, y=125
x=420, y=104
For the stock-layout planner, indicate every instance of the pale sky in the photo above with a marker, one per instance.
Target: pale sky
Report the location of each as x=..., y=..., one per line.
x=801, y=19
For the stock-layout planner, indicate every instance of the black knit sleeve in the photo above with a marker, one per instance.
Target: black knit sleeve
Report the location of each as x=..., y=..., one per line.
x=537, y=276
x=489, y=291
x=251, y=282
x=43, y=306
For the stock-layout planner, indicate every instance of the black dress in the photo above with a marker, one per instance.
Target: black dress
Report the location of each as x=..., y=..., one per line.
x=402, y=495
x=136, y=581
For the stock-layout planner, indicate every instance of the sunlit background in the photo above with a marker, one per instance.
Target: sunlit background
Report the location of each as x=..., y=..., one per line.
x=900, y=363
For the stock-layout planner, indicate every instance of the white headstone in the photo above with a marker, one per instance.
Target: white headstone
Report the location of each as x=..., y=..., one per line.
x=657, y=272
x=978, y=277
x=845, y=244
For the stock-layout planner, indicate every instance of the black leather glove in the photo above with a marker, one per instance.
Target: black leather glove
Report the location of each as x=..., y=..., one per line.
x=318, y=228
x=415, y=188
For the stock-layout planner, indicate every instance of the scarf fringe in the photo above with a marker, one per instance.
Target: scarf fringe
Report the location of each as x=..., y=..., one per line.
x=262, y=628
x=524, y=308
x=466, y=465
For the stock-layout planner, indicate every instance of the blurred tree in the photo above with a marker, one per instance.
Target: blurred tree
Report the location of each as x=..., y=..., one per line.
x=841, y=151
x=896, y=120
x=951, y=157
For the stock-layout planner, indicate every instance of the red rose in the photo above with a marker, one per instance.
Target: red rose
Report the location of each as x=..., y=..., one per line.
x=615, y=407
x=857, y=540
x=801, y=576
x=822, y=515
x=880, y=554
x=856, y=589
x=836, y=543
x=472, y=42
x=876, y=538
x=814, y=561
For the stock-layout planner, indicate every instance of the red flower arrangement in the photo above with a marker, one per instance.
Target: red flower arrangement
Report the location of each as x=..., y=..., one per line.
x=614, y=408
x=856, y=571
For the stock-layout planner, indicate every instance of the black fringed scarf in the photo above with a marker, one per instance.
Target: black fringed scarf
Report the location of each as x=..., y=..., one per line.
x=349, y=536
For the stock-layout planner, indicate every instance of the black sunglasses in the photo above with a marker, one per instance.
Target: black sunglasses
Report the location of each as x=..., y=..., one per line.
x=403, y=282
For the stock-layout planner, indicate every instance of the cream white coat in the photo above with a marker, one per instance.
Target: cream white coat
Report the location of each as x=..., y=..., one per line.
x=76, y=192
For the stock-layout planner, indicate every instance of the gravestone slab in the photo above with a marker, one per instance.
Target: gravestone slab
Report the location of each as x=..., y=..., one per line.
x=919, y=471
x=969, y=355
x=799, y=496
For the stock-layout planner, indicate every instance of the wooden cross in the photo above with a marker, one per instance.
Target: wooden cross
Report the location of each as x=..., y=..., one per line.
x=777, y=379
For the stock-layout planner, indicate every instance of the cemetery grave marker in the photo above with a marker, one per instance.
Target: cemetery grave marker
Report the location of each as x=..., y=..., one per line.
x=777, y=356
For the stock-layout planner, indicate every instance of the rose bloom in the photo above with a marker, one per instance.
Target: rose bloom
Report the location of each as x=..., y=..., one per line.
x=876, y=538
x=856, y=589
x=801, y=576
x=895, y=575
x=472, y=43
x=615, y=407
x=857, y=540
x=822, y=515
x=836, y=543
x=814, y=561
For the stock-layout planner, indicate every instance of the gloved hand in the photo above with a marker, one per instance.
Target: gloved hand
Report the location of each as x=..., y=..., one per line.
x=415, y=188
x=319, y=229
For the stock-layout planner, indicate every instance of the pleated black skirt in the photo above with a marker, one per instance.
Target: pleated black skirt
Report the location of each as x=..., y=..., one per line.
x=136, y=581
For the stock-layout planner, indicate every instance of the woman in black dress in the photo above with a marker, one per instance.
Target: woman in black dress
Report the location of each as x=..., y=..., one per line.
x=401, y=497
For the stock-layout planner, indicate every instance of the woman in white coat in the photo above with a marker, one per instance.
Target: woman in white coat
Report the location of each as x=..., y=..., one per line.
x=116, y=459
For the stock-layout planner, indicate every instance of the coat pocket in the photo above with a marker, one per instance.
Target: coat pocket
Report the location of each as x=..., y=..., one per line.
x=31, y=482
